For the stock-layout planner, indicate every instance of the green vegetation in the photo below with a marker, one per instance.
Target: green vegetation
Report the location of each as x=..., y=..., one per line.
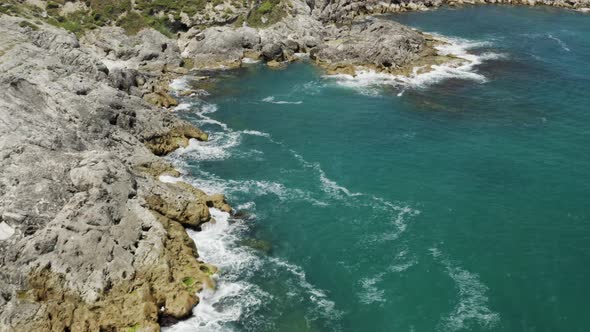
x=174, y=7
x=266, y=13
x=133, y=328
x=135, y=15
x=187, y=63
x=266, y=7
x=24, y=24
x=100, y=13
x=188, y=282
x=15, y=8
x=132, y=23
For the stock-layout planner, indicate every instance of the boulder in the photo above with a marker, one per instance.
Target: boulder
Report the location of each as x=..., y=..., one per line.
x=272, y=51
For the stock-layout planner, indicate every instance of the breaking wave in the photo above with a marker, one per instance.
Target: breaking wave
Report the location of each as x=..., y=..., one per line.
x=238, y=300
x=369, y=82
x=234, y=298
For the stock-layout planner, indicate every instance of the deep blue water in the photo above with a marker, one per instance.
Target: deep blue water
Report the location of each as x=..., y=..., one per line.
x=460, y=205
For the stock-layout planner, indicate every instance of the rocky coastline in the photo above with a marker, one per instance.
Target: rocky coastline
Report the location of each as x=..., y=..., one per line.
x=91, y=239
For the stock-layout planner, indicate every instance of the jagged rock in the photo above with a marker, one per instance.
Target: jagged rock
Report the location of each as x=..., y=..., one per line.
x=124, y=79
x=218, y=201
x=218, y=46
x=81, y=247
x=378, y=44
x=272, y=52
x=163, y=143
x=179, y=204
x=160, y=99
x=274, y=64
x=149, y=50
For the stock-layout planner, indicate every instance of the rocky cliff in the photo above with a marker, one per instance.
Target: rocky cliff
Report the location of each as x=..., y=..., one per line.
x=90, y=239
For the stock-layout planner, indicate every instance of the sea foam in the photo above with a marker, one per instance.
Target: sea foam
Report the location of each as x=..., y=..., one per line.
x=561, y=43
x=179, y=84
x=237, y=299
x=234, y=298
x=368, y=82
x=273, y=100
x=472, y=304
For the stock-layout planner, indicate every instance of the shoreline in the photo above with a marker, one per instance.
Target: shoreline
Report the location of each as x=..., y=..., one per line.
x=113, y=214
x=129, y=156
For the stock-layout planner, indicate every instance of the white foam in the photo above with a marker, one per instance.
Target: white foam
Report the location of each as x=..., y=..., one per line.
x=401, y=215
x=246, y=206
x=299, y=55
x=312, y=88
x=370, y=292
x=326, y=308
x=179, y=84
x=255, y=133
x=250, y=61
x=208, y=108
x=472, y=301
x=329, y=186
x=182, y=107
x=368, y=82
x=560, y=42
x=216, y=148
x=170, y=179
x=272, y=100
x=398, y=268
x=332, y=187
x=211, y=184
x=234, y=298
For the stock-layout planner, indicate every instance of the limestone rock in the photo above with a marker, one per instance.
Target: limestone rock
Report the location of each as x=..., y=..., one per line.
x=218, y=46
x=164, y=143
x=272, y=51
x=178, y=204
x=81, y=248
x=218, y=201
x=380, y=44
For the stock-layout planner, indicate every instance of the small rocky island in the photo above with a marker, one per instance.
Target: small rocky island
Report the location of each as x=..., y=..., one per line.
x=91, y=239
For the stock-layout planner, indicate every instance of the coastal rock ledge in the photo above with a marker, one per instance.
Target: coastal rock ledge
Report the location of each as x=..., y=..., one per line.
x=91, y=240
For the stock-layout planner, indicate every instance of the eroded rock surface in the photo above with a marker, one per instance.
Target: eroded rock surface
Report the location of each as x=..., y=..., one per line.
x=378, y=44
x=84, y=246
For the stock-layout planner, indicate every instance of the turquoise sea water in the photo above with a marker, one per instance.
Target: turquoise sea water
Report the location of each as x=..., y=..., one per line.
x=453, y=202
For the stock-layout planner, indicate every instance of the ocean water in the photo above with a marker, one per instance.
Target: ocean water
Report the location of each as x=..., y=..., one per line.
x=453, y=201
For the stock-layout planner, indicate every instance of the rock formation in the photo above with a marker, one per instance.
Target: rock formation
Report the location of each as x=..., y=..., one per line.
x=90, y=239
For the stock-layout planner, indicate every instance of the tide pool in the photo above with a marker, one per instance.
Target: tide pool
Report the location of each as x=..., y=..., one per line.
x=453, y=202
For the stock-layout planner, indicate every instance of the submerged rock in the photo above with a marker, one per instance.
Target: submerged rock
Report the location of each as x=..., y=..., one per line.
x=257, y=244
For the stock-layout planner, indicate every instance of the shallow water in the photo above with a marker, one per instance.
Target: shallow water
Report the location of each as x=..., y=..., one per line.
x=457, y=201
